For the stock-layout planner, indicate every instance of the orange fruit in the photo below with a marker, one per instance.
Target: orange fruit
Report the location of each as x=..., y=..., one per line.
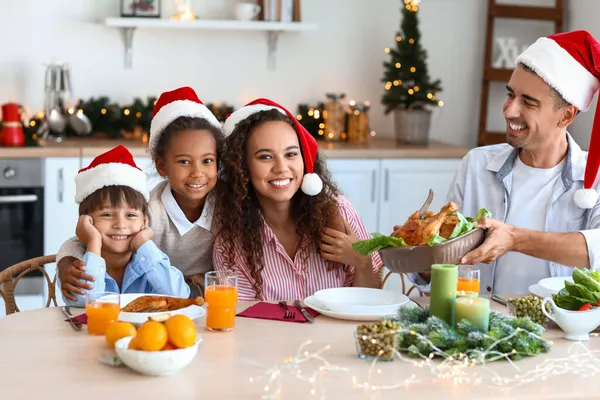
x=152, y=336
x=168, y=346
x=133, y=344
x=181, y=331
x=118, y=330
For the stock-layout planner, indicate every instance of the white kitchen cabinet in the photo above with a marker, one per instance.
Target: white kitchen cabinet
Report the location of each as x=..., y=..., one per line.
x=405, y=185
x=359, y=182
x=60, y=210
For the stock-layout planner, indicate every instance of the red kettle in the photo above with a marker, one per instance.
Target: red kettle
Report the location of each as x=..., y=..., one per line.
x=12, y=128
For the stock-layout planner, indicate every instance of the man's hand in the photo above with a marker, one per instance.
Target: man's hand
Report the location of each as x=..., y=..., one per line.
x=88, y=235
x=71, y=273
x=500, y=239
x=336, y=246
x=141, y=237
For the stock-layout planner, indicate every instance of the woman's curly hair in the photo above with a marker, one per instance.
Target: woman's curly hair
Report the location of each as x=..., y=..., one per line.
x=237, y=212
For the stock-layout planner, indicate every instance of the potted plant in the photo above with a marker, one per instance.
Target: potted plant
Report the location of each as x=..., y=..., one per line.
x=409, y=91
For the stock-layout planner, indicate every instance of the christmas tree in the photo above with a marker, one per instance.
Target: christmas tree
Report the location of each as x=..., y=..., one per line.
x=407, y=81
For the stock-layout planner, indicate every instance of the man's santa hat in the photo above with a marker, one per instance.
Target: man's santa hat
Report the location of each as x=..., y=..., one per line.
x=181, y=102
x=570, y=63
x=311, y=183
x=113, y=168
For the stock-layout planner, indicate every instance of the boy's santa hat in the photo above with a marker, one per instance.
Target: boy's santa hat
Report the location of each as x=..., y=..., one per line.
x=113, y=168
x=181, y=102
x=570, y=63
x=311, y=183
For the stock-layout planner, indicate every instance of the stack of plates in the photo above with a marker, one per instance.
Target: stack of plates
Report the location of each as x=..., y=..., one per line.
x=356, y=304
x=549, y=286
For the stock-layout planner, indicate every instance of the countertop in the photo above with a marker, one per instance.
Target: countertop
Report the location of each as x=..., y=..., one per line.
x=375, y=148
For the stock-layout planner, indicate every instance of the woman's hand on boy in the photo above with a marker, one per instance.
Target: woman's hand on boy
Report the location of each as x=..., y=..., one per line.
x=88, y=235
x=141, y=237
x=337, y=246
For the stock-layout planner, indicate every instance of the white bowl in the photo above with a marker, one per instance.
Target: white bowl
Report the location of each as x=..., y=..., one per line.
x=361, y=301
x=155, y=363
x=575, y=324
x=555, y=284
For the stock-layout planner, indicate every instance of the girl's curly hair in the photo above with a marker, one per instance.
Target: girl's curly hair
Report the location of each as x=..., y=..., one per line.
x=237, y=212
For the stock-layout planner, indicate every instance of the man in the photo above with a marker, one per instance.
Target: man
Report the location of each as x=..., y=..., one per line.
x=538, y=187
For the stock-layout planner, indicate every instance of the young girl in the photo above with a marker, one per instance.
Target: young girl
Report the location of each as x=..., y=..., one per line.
x=113, y=209
x=185, y=145
x=272, y=234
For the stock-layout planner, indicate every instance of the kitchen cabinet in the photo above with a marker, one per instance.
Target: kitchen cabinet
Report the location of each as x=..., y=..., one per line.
x=60, y=210
x=386, y=191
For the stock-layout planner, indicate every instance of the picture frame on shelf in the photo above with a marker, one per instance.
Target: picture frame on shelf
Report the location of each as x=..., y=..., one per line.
x=140, y=8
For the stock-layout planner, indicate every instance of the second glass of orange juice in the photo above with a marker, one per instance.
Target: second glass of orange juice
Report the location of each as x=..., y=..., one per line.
x=220, y=292
x=468, y=278
x=101, y=308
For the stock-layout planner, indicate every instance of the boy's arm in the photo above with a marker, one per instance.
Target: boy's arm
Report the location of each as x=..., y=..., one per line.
x=162, y=277
x=96, y=268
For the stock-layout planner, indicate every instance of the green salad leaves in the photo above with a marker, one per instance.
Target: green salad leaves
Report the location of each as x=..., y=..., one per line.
x=584, y=290
x=379, y=241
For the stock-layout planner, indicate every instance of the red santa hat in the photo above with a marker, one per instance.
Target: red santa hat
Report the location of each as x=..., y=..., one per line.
x=311, y=183
x=113, y=168
x=570, y=63
x=181, y=102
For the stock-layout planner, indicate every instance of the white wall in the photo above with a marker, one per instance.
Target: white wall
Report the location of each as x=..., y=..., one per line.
x=344, y=54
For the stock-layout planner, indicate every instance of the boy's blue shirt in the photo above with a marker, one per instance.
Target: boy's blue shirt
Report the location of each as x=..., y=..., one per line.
x=149, y=271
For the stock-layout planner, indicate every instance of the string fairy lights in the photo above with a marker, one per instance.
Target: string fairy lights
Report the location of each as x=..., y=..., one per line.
x=471, y=367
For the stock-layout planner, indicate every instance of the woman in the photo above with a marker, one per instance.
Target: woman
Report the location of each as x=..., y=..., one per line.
x=280, y=239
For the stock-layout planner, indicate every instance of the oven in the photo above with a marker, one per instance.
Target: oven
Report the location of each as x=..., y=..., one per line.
x=22, y=218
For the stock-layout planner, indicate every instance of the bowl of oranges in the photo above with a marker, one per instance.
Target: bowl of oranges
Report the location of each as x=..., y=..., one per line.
x=161, y=346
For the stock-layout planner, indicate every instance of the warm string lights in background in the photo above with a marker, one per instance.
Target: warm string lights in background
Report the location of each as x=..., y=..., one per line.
x=313, y=118
x=467, y=368
x=412, y=5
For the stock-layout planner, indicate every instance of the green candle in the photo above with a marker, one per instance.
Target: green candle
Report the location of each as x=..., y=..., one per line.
x=474, y=310
x=466, y=293
x=443, y=291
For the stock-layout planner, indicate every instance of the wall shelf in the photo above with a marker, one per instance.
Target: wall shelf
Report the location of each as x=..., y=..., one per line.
x=272, y=29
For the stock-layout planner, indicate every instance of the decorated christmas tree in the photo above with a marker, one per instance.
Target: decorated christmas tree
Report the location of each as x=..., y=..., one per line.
x=407, y=81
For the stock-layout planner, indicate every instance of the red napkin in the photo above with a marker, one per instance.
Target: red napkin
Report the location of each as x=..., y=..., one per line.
x=275, y=312
x=81, y=318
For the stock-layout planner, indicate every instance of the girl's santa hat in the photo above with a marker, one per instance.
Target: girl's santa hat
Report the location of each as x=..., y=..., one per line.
x=113, y=168
x=181, y=102
x=311, y=183
x=570, y=63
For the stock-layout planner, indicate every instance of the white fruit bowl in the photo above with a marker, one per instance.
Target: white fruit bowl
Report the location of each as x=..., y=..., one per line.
x=555, y=284
x=361, y=301
x=155, y=363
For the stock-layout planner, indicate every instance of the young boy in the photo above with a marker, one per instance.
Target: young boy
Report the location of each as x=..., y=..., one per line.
x=113, y=208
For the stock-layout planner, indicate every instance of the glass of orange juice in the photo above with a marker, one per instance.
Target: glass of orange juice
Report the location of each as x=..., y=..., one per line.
x=220, y=292
x=101, y=308
x=468, y=278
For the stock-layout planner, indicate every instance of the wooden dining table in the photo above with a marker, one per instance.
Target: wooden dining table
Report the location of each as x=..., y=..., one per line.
x=42, y=357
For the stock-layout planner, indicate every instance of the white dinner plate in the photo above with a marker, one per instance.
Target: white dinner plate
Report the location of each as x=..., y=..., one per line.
x=192, y=311
x=539, y=291
x=313, y=303
x=361, y=300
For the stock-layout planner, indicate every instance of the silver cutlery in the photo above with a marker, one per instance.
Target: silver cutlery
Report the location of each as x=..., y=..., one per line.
x=303, y=311
x=74, y=323
x=499, y=300
x=288, y=314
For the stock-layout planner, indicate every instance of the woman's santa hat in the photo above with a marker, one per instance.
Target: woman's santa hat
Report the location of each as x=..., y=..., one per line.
x=570, y=63
x=181, y=102
x=113, y=168
x=311, y=183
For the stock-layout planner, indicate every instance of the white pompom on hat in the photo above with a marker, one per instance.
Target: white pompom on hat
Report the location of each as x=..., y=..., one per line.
x=312, y=184
x=570, y=63
x=116, y=167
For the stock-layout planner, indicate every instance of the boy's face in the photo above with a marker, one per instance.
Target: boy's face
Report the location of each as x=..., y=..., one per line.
x=118, y=225
x=190, y=163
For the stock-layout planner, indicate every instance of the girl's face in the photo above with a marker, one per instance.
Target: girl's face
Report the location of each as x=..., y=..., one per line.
x=274, y=161
x=190, y=164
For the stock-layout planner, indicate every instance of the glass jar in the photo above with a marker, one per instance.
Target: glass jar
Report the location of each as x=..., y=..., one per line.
x=358, y=124
x=335, y=116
